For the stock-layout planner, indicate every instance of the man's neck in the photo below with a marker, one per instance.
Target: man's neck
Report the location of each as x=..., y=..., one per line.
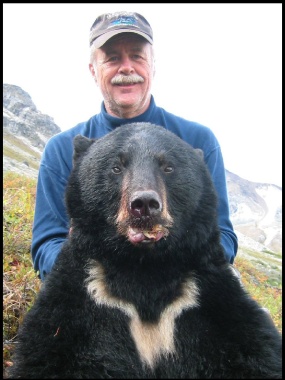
x=127, y=112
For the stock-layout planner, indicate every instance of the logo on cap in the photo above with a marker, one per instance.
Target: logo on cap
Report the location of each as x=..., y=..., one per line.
x=124, y=20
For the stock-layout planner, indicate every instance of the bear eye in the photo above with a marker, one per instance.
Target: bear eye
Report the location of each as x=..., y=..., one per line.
x=116, y=170
x=168, y=169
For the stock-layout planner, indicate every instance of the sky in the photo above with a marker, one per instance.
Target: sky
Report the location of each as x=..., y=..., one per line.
x=216, y=64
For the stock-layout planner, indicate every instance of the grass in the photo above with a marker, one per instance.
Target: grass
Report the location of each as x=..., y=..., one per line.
x=275, y=254
x=17, y=142
x=21, y=284
x=11, y=153
x=28, y=155
x=271, y=257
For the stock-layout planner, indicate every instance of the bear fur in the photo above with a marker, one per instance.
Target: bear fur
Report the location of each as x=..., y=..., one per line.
x=141, y=288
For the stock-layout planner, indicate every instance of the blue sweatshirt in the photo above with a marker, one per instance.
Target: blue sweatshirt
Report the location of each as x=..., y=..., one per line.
x=51, y=222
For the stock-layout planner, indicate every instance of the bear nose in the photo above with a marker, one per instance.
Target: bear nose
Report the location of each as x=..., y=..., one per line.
x=145, y=203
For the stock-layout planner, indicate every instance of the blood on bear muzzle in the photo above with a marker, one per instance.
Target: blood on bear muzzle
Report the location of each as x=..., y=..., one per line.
x=136, y=235
x=145, y=210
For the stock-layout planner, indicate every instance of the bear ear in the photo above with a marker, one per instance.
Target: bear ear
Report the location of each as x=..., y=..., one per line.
x=200, y=153
x=80, y=144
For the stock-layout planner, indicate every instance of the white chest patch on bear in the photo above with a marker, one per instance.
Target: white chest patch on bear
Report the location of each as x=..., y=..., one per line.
x=152, y=339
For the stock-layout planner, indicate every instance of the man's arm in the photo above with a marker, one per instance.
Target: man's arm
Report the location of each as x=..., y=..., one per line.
x=51, y=224
x=228, y=237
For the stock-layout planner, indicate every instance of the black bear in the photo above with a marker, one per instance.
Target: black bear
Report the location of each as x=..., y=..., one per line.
x=141, y=288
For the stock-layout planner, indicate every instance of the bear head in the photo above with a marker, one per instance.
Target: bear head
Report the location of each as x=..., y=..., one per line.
x=143, y=185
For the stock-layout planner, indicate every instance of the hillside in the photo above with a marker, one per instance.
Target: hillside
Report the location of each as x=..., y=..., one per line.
x=256, y=214
x=25, y=132
x=256, y=211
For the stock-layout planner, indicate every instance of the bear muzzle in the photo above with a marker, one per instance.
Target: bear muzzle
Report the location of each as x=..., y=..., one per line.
x=145, y=209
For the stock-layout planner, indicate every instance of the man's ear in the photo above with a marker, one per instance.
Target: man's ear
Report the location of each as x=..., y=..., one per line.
x=93, y=72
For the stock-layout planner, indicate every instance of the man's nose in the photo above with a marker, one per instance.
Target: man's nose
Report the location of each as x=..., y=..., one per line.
x=126, y=66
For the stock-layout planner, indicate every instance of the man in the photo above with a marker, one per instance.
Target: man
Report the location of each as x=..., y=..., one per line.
x=122, y=65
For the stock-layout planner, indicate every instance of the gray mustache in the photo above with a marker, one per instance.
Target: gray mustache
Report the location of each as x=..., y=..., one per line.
x=127, y=79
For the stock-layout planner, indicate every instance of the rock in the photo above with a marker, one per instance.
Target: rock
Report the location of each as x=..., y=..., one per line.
x=25, y=131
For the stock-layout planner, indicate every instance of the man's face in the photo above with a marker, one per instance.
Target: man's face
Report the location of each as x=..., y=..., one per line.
x=125, y=57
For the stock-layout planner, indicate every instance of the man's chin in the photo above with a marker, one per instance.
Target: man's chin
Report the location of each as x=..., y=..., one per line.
x=127, y=100
x=127, y=106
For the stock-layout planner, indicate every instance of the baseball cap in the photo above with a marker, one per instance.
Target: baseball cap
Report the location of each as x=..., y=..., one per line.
x=109, y=24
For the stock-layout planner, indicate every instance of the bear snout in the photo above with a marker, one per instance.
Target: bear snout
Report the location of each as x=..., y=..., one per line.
x=145, y=204
x=145, y=224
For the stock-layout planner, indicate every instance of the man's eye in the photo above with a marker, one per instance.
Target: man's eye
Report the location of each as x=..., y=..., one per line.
x=113, y=59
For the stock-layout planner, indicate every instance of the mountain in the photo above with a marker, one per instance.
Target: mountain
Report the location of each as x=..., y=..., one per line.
x=256, y=213
x=25, y=131
x=255, y=208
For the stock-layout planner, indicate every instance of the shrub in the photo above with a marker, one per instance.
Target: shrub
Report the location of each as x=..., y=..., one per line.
x=20, y=282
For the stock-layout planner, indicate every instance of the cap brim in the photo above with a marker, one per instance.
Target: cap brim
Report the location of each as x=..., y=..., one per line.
x=100, y=41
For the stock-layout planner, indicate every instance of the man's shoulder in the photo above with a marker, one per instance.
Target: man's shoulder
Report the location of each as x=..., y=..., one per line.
x=59, y=148
x=66, y=137
x=186, y=128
